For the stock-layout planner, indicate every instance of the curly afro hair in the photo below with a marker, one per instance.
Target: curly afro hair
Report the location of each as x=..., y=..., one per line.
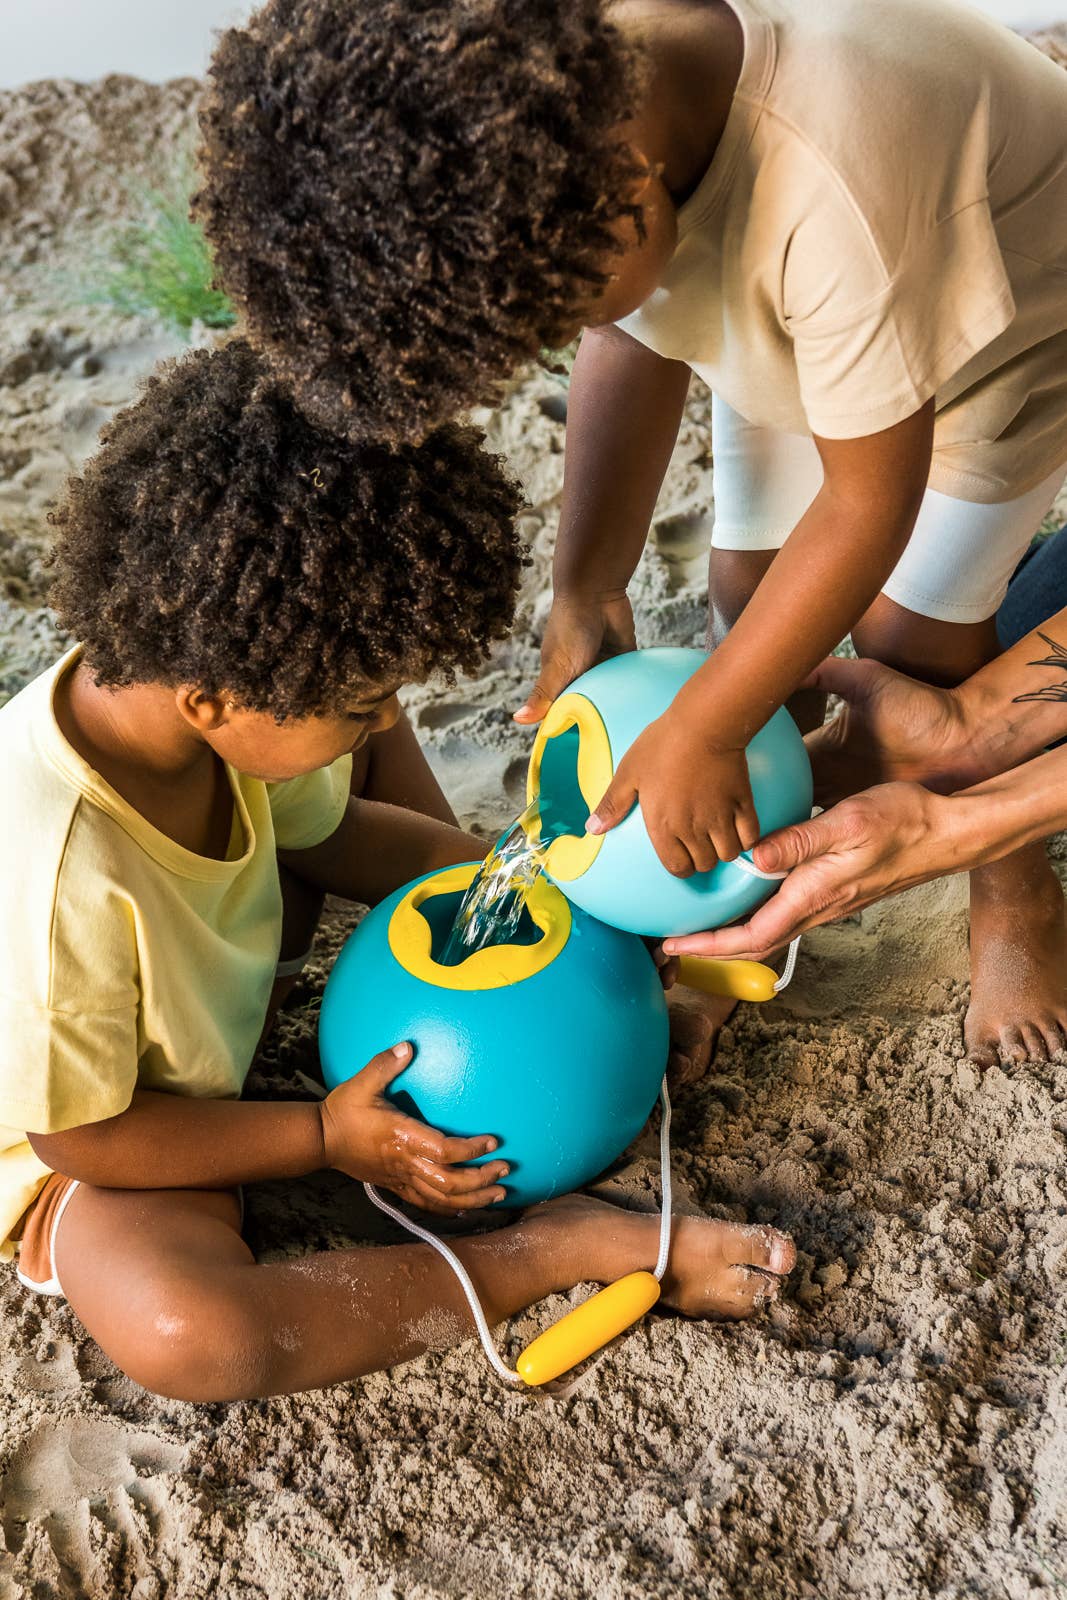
x=219, y=538
x=408, y=199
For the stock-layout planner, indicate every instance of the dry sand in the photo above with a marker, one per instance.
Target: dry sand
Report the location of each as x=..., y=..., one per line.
x=897, y=1428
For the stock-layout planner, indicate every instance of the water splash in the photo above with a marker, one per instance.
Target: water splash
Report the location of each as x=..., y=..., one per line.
x=492, y=908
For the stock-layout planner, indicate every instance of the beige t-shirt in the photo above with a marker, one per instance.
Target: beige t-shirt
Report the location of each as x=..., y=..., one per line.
x=885, y=219
x=126, y=961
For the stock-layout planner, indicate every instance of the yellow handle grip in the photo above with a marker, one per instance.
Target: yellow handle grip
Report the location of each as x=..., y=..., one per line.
x=739, y=980
x=588, y=1328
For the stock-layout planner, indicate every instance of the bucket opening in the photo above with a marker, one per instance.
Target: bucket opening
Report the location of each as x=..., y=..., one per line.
x=570, y=769
x=563, y=807
x=421, y=921
x=439, y=912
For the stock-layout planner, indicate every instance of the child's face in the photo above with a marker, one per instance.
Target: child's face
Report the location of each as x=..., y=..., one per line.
x=256, y=744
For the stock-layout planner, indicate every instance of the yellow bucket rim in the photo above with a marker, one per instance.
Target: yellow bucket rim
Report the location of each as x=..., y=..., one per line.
x=411, y=937
x=570, y=855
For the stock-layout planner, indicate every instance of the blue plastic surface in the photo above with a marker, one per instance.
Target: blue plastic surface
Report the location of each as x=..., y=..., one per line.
x=627, y=885
x=563, y=1067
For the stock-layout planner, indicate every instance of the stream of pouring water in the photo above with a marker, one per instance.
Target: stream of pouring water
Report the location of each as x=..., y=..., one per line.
x=492, y=907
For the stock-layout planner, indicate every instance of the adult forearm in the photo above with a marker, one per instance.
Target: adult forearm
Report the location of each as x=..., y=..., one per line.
x=392, y=767
x=1015, y=808
x=1018, y=703
x=168, y=1141
x=623, y=413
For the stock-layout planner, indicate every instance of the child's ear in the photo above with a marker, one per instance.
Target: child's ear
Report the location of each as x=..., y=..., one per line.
x=207, y=713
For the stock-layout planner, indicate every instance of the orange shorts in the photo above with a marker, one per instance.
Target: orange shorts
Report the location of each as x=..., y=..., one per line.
x=36, y=1233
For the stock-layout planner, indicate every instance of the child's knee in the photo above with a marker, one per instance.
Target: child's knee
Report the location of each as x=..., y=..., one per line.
x=195, y=1341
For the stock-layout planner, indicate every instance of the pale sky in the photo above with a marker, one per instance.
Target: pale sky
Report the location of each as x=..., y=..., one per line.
x=171, y=38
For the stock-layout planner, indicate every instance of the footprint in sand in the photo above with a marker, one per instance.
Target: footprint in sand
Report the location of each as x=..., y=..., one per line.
x=93, y=1489
x=442, y=714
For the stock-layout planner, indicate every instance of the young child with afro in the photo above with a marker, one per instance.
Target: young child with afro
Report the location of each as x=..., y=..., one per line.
x=248, y=594
x=849, y=219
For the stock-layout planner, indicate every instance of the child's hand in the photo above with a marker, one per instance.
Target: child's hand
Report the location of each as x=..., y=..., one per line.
x=365, y=1136
x=695, y=799
x=578, y=634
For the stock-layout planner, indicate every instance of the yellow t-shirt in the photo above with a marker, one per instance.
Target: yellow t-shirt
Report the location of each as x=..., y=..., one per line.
x=885, y=220
x=127, y=961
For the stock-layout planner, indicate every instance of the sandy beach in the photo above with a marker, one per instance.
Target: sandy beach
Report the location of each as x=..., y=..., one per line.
x=894, y=1429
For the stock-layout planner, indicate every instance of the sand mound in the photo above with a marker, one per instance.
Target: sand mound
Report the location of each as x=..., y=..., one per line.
x=895, y=1429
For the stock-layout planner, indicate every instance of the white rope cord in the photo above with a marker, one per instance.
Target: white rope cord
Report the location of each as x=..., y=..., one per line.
x=504, y=1372
x=756, y=872
x=786, y=976
x=664, y=1184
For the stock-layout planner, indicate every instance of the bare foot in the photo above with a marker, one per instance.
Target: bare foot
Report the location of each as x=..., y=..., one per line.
x=716, y=1269
x=1018, y=1009
x=725, y=1269
x=696, y=1022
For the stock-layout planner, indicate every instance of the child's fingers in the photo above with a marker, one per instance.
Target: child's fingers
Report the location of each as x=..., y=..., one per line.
x=616, y=805
x=700, y=849
x=443, y=1149
x=746, y=824
x=459, y=1180
x=726, y=840
x=674, y=853
x=380, y=1071
x=431, y=1198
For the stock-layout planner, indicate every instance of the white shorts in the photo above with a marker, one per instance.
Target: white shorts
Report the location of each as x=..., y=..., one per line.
x=959, y=559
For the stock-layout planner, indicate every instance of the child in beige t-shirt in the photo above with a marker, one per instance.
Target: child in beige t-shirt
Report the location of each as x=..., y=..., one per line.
x=249, y=593
x=849, y=218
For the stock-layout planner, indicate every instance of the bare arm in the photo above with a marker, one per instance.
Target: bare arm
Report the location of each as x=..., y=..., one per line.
x=822, y=580
x=377, y=848
x=623, y=413
x=688, y=768
x=391, y=766
x=1018, y=703
x=170, y=1141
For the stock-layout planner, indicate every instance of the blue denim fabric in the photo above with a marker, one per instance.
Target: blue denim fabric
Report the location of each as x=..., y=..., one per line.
x=1037, y=591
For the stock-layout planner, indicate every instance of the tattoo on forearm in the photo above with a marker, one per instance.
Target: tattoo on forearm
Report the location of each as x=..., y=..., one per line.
x=1057, y=658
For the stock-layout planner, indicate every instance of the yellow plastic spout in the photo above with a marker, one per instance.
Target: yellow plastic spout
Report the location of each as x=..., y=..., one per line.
x=738, y=980
x=588, y=1328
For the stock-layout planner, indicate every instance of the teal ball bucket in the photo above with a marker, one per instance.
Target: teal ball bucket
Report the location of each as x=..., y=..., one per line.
x=617, y=876
x=555, y=1044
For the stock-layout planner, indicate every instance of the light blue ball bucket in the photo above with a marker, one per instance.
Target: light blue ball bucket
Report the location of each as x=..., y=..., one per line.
x=617, y=876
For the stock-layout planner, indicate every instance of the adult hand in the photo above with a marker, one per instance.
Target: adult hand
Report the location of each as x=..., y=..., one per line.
x=891, y=727
x=695, y=798
x=365, y=1136
x=578, y=634
x=875, y=844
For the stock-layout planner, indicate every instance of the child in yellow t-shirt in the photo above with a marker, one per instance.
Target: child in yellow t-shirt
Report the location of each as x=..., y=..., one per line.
x=850, y=219
x=249, y=594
